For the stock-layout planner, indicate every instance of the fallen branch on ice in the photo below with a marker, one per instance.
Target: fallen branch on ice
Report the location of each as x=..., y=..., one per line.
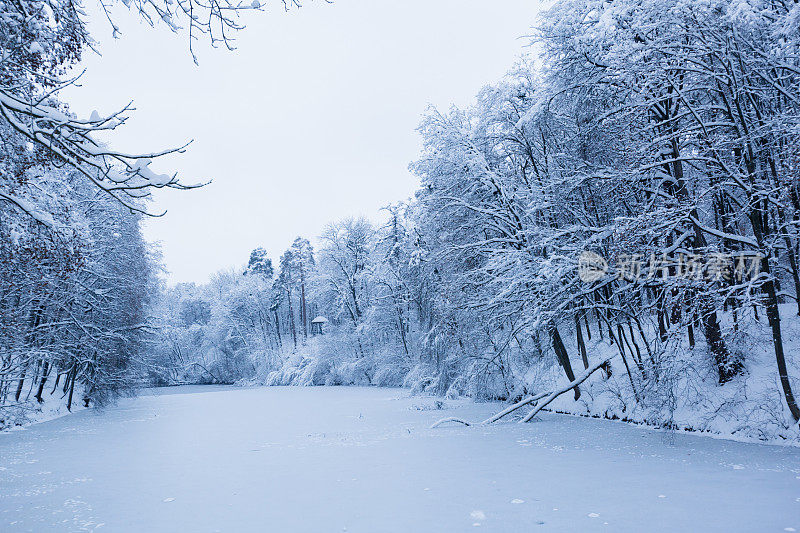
x=510, y=409
x=449, y=419
x=577, y=381
x=531, y=399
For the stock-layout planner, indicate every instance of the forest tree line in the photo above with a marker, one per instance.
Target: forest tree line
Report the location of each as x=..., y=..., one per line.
x=665, y=132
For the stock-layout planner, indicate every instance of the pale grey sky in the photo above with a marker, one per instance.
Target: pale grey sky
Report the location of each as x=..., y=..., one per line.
x=310, y=120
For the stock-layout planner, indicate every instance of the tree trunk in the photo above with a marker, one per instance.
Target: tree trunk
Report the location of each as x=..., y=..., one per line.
x=278, y=328
x=303, y=309
x=20, y=384
x=71, y=388
x=45, y=371
x=563, y=357
x=774, y=317
x=291, y=318
x=581, y=344
x=726, y=366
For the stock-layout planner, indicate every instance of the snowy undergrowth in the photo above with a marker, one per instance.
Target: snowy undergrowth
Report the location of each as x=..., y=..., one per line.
x=333, y=360
x=749, y=408
x=686, y=395
x=30, y=411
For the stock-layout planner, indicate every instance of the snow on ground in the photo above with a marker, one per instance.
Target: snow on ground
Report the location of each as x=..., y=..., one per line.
x=364, y=460
x=29, y=411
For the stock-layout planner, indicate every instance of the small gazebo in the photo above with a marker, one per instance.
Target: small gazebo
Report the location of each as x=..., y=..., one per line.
x=318, y=325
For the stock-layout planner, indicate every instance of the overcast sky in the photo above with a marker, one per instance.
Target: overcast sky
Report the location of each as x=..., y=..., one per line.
x=310, y=120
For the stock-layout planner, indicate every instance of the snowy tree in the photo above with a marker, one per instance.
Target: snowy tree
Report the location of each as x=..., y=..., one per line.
x=260, y=264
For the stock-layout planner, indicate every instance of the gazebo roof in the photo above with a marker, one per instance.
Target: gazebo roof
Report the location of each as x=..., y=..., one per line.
x=319, y=320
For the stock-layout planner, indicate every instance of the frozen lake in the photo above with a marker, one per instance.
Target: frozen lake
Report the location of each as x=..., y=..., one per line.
x=363, y=460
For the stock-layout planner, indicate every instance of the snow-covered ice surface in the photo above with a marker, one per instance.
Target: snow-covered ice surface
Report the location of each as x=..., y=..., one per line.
x=363, y=460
